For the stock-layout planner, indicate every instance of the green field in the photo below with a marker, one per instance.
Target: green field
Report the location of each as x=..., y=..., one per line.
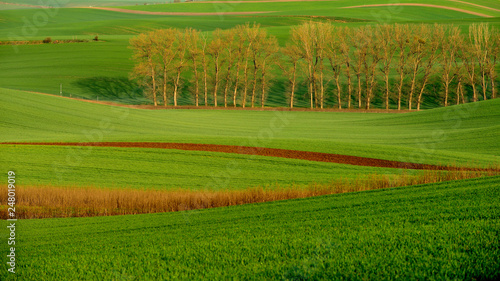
x=462, y=135
x=443, y=231
x=81, y=67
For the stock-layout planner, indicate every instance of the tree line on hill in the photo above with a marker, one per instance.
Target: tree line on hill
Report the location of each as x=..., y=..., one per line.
x=397, y=64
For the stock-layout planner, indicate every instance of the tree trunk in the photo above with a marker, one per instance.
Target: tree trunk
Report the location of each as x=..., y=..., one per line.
x=262, y=97
x=216, y=85
x=254, y=87
x=349, y=86
x=176, y=86
x=226, y=87
x=387, y=91
x=293, y=84
x=165, y=87
x=237, y=81
x=322, y=90
x=359, y=90
x=446, y=92
x=205, y=81
x=412, y=89
x=484, y=84
x=153, y=77
x=197, y=85
x=493, y=90
x=339, y=89
x=311, y=91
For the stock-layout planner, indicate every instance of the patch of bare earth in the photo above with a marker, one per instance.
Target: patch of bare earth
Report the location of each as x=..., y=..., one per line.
x=261, y=151
x=56, y=202
x=422, y=5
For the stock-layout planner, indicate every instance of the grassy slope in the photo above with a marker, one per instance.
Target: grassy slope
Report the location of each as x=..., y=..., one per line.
x=166, y=169
x=80, y=67
x=455, y=135
x=443, y=231
x=319, y=8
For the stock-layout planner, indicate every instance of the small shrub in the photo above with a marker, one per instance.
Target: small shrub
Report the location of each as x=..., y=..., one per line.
x=96, y=38
x=47, y=40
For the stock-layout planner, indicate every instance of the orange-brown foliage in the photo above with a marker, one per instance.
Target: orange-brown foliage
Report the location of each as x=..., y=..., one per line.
x=56, y=202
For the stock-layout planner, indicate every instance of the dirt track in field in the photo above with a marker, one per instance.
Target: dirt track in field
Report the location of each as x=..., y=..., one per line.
x=472, y=4
x=261, y=151
x=422, y=5
x=24, y=5
x=178, y=13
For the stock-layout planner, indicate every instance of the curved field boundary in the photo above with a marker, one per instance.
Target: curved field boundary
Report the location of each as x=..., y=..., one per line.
x=477, y=5
x=262, y=151
x=25, y=5
x=422, y=5
x=177, y=13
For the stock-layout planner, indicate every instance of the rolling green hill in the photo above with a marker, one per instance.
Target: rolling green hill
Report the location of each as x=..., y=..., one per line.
x=81, y=68
x=465, y=134
x=440, y=231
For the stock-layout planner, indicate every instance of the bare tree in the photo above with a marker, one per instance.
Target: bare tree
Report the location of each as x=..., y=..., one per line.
x=180, y=47
x=144, y=53
x=164, y=40
x=323, y=48
x=448, y=58
x=469, y=58
x=215, y=50
x=251, y=34
x=361, y=45
x=401, y=36
x=435, y=36
x=230, y=56
x=268, y=52
x=371, y=62
x=336, y=59
x=205, y=64
x=389, y=48
x=416, y=58
x=194, y=54
x=303, y=36
x=494, y=51
x=344, y=35
x=289, y=65
x=240, y=52
x=480, y=37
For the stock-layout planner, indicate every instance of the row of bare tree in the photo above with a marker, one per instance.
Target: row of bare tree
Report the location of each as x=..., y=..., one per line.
x=350, y=64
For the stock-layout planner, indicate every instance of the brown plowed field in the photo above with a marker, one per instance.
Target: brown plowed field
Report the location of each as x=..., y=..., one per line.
x=261, y=151
x=422, y=5
x=178, y=13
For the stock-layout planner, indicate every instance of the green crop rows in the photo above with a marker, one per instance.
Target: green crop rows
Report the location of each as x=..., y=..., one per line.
x=442, y=231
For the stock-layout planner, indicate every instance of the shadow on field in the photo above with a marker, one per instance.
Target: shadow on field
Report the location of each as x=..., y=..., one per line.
x=110, y=88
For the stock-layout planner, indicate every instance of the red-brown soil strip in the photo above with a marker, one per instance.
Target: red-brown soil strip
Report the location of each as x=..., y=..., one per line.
x=262, y=151
x=177, y=13
x=422, y=5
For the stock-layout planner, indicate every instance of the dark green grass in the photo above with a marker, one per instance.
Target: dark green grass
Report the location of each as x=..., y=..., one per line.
x=443, y=231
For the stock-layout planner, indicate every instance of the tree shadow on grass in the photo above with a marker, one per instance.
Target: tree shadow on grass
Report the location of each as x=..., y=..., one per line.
x=111, y=88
